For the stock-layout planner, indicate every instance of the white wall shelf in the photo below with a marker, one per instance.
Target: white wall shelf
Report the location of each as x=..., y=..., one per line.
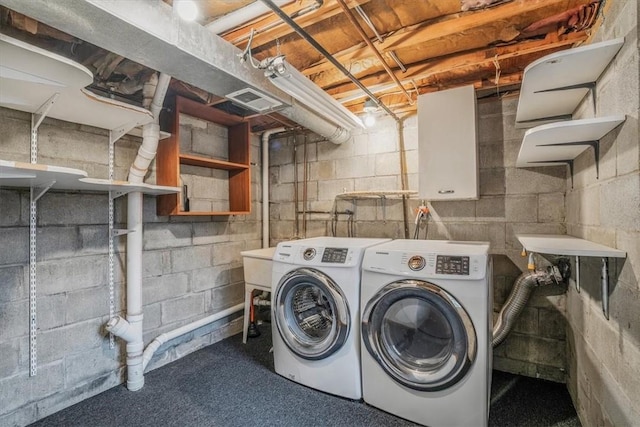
x=560, y=244
x=49, y=85
x=574, y=246
x=562, y=142
x=553, y=86
x=30, y=76
x=26, y=175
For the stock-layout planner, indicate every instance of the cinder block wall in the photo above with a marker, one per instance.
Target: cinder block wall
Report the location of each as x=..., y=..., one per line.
x=512, y=201
x=192, y=268
x=604, y=355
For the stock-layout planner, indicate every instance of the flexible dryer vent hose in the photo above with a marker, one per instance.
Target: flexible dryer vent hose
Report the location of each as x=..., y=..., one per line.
x=518, y=298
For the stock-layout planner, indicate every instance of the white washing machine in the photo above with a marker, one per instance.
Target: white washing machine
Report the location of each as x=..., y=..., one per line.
x=426, y=331
x=315, y=312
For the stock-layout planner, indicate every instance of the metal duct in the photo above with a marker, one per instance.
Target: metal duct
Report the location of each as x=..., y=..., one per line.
x=149, y=33
x=524, y=285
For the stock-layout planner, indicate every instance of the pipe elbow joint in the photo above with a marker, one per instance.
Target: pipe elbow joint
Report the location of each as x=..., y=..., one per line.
x=131, y=332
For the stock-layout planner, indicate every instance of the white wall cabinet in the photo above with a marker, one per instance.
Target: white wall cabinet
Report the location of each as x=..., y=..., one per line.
x=447, y=145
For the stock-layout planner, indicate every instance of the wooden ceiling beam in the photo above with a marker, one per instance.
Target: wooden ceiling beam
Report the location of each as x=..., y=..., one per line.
x=464, y=62
x=278, y=29
x=399, y=105
x=449, y=26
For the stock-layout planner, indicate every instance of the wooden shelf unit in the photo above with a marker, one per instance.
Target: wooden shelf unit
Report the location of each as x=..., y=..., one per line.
x=169, y=160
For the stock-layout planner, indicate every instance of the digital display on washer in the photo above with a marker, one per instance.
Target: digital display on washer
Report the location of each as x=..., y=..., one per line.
x=336, y=255
x=446, y=264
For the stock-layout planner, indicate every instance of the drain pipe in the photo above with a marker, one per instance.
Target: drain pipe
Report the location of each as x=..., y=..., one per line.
x=519, y=296
x=168, y=336
x=265, y=183
x=130, y=329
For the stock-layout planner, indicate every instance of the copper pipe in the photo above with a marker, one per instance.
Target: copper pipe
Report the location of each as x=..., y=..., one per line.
x=369, y=43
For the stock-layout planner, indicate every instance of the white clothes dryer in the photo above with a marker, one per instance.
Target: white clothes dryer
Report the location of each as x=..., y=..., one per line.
x=315, y=312
x=426, y=331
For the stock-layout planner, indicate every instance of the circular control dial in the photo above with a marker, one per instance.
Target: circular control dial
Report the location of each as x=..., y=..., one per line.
x=309, y=253
x=417, y=262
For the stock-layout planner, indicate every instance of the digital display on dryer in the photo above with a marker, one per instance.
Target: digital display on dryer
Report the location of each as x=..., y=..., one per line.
x=446, y=264
x=335, y=255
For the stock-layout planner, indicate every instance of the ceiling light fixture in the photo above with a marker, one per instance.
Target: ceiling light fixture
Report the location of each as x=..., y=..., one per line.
x=187, y=9
x=285, y=77
x=370, y=108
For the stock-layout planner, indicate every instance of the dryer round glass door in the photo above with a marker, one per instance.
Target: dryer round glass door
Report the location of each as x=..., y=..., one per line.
x=311, y=313
x=419, y=334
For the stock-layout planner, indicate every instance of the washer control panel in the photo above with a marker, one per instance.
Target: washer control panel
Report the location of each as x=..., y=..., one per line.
x=448, y=264
x=335, y=255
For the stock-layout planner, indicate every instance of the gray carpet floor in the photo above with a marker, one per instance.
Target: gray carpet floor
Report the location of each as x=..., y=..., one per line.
x=229, y=384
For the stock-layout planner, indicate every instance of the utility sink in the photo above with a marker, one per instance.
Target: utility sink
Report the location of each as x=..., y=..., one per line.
x=257, y=266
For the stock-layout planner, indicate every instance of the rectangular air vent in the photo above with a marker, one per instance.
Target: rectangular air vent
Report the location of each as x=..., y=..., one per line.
x=254, y=100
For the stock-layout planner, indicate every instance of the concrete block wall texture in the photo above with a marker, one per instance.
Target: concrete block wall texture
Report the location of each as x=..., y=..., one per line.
x=207, y=189
x=511, y=201
x=604, y=355
x=191, y=269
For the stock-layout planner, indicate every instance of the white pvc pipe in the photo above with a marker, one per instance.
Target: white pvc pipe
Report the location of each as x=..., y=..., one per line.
x=135, y=380
x=240, y=16
x=168, y=336
x=150, y=134
x=130, y=329
x=265, y=184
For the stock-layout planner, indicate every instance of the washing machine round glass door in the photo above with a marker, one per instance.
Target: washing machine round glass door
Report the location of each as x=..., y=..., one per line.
x=419, y=334
x=311, y=313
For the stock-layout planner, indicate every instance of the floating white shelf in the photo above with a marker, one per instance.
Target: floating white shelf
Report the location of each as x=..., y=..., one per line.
x=574, y=246
x=30, y=76
x=26, y=175
x=566, y=245
x=553, y=86
x=562, y=142
x=374, y=194
x=123, y=187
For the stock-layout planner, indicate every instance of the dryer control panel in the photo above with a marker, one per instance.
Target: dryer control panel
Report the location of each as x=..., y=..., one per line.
x=448, y=264
x=337, y=255
x=426, y=265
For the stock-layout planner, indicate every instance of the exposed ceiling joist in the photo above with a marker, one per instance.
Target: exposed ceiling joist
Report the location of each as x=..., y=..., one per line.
x=436, y=44
x=454, y=33
x=463, y=63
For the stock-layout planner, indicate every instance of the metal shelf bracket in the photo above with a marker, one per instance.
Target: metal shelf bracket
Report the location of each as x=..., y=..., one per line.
x=121, y=232
x=115, y=194
x=578, y=274
x=604, y=283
